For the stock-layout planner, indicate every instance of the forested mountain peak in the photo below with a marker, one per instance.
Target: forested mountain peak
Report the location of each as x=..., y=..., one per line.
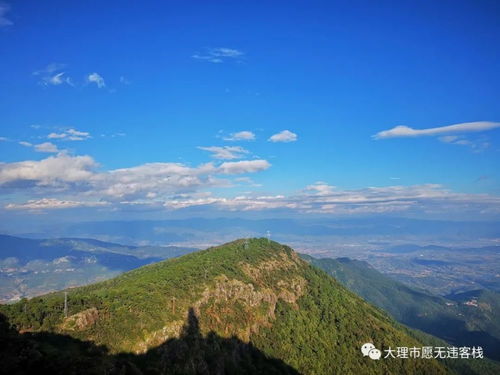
x=256, y=304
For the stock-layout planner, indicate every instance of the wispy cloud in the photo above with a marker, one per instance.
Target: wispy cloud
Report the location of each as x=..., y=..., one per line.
x=402, y=131
x=322, y=198
x=46, y=147
x=97, y=79
x=41, y=147
x=70, y=135
x=244, y=135
x=247, y=181
x=113, y=135
x=4, y=21
x=226, y=152
x=244, y=166
x=52, y=75
x=219, y=55
x=477, y=145
x=58, y=79
x=52, y=204
x=283, y=136
x=51, y=68
x=124, y=80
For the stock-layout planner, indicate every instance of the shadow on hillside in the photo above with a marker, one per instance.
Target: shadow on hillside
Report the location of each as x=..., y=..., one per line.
x=191, y=353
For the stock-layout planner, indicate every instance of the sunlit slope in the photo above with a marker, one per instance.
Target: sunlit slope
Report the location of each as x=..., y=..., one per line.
x=253, y=291
x=452, y=319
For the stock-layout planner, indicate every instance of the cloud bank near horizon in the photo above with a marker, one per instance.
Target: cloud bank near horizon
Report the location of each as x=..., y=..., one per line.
x=63, y=181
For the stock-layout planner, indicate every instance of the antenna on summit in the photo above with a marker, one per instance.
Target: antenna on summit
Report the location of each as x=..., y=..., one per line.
x=268, y=235
x=65, y=304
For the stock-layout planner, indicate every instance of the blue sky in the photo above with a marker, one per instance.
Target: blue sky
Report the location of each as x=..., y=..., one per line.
x=93, y=92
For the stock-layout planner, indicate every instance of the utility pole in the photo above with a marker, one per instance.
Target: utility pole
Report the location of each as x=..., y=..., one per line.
x=268, y=235
x=65, y=304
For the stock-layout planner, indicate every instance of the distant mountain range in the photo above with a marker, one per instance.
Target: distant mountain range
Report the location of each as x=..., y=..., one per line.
x=471, y=318
x=30, y=267
x=215, y=229
x=246, y=307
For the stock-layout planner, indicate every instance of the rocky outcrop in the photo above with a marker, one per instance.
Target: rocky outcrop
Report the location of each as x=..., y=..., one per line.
x=82, y=320
x=233, y=307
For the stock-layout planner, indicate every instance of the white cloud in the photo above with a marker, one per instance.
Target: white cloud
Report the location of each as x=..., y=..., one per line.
x=154, y=180
x=244, y=135
x=97, y=79
x=51, y=68
x=46, y=147
x=405, y=131
x=320, y=188
x=239, y=203
x=226, y=52
x=41, y=147
x=244, y=166
x=322, y=198
x=74, y=181
x=53, y=76
x=55, y=171
x=51, y=204
x=71, y=176
x=158, y=178
x=247, y=181
x=219, y=55
x=70, y=135
x=226, y=152
x=283, y=136
x=4, y=139
x=56, y=80
x=4, y=21
x=215, y=60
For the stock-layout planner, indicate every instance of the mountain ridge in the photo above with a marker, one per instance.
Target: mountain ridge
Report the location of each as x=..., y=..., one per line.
x=30, y=267
x=260, y=293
